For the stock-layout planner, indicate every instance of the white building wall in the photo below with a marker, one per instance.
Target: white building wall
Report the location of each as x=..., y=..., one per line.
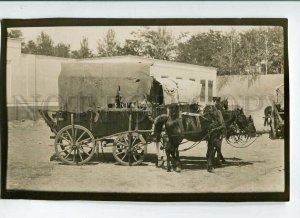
x=13, y=63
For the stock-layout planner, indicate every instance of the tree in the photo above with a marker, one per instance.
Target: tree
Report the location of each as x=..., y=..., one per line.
x=251, y=52
x=109, y=46
x=84, y=51
x=133, y=47
x=29, y=48
x=44, y=44
x=275, y=50
x=15, y=33
x=159, y=44
x=62, y=50
x=201, y=48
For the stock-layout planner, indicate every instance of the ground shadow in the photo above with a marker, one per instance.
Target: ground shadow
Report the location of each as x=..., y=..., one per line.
x=200, y=163
x=188, y=162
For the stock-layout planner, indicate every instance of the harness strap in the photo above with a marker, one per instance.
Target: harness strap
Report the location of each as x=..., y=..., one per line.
x=181, y=127
x=198, y=123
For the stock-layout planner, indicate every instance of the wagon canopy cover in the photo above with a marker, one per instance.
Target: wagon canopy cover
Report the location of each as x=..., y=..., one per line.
x=95, y=85
x=180, y=91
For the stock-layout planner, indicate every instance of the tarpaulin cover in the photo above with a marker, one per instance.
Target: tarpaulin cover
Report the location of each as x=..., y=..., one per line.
x=94, y=85
x=180, y=91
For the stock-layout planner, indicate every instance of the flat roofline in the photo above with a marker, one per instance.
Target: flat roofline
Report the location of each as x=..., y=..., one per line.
x=15, y=39
x=149, y=59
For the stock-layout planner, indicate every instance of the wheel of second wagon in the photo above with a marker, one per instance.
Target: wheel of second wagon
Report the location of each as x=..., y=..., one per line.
x=74, y=145
x=129, y=149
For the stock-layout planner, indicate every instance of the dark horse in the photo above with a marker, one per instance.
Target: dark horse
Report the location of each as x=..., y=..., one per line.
x=235, y=120
x=267, y=113
x=217, y=121
x=209, y=127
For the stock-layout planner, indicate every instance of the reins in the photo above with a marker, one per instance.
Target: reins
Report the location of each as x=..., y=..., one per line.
x=198, y=142
x=231, y=144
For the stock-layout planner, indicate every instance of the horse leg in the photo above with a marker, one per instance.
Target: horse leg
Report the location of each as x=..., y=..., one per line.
x=222, y=157
x=179, y=165
x=218, y=148
x=168, y=160
x=209, y=155
x=157, y=151
x=175, y=156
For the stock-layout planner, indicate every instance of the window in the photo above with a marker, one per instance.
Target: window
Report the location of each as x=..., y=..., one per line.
x=164, y=76
x=192, y=79
x=210, y=90
x=202, y=93
x=178, y=77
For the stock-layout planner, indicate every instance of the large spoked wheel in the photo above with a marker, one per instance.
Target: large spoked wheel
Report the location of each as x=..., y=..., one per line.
x=74, y=145
x=129, y=149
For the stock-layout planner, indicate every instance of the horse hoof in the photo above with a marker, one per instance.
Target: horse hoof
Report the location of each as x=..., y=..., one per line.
x=219, y=164
x=53, y=157
x=178, y=169
x=210, y=170
x=168, y=170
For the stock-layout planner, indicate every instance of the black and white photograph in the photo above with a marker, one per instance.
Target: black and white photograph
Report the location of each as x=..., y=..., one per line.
x=146, y=108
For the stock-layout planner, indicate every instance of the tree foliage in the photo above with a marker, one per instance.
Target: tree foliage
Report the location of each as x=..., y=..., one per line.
x=84, y=51
x=109, y=46
x=15, y=33
x=29, y=48
x=44, y=44
x=158, y=44
x=62, y=50
x=252, y=52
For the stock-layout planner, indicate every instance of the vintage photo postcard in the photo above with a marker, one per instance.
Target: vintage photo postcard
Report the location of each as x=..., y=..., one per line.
x=145, y=109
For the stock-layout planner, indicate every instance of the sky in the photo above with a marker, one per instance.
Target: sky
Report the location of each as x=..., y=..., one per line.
x=73, y=35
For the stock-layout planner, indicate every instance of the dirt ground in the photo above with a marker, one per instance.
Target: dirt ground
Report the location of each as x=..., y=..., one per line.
x=259, y=167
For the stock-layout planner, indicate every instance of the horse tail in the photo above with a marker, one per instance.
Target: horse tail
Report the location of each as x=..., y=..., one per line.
x=158, y=126
x=159, y=123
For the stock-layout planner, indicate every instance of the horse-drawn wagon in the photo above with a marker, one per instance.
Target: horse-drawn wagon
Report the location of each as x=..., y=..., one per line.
x=111, y=104
x=277, y=114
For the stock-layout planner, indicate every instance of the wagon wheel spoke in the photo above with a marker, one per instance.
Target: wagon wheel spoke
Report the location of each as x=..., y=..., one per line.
x=84, y=141
x=87, y=146
x=80, y=156
x=134, y=157
x=122, y=144
x=65, y=150
x=129, y=160
x=65, y=145
x=84, y=151
x=134, y=140
x=74, y=155
x=80, y=136
x=122, y=152
x=68, y=140
x=124, y=156
x=68, y=154
x=75, y=134
x=72, y=139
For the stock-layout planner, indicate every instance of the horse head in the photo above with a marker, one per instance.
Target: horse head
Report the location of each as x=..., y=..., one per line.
x=221, y=105
x=245, y=123
x=225, y=103
x=173, y=111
